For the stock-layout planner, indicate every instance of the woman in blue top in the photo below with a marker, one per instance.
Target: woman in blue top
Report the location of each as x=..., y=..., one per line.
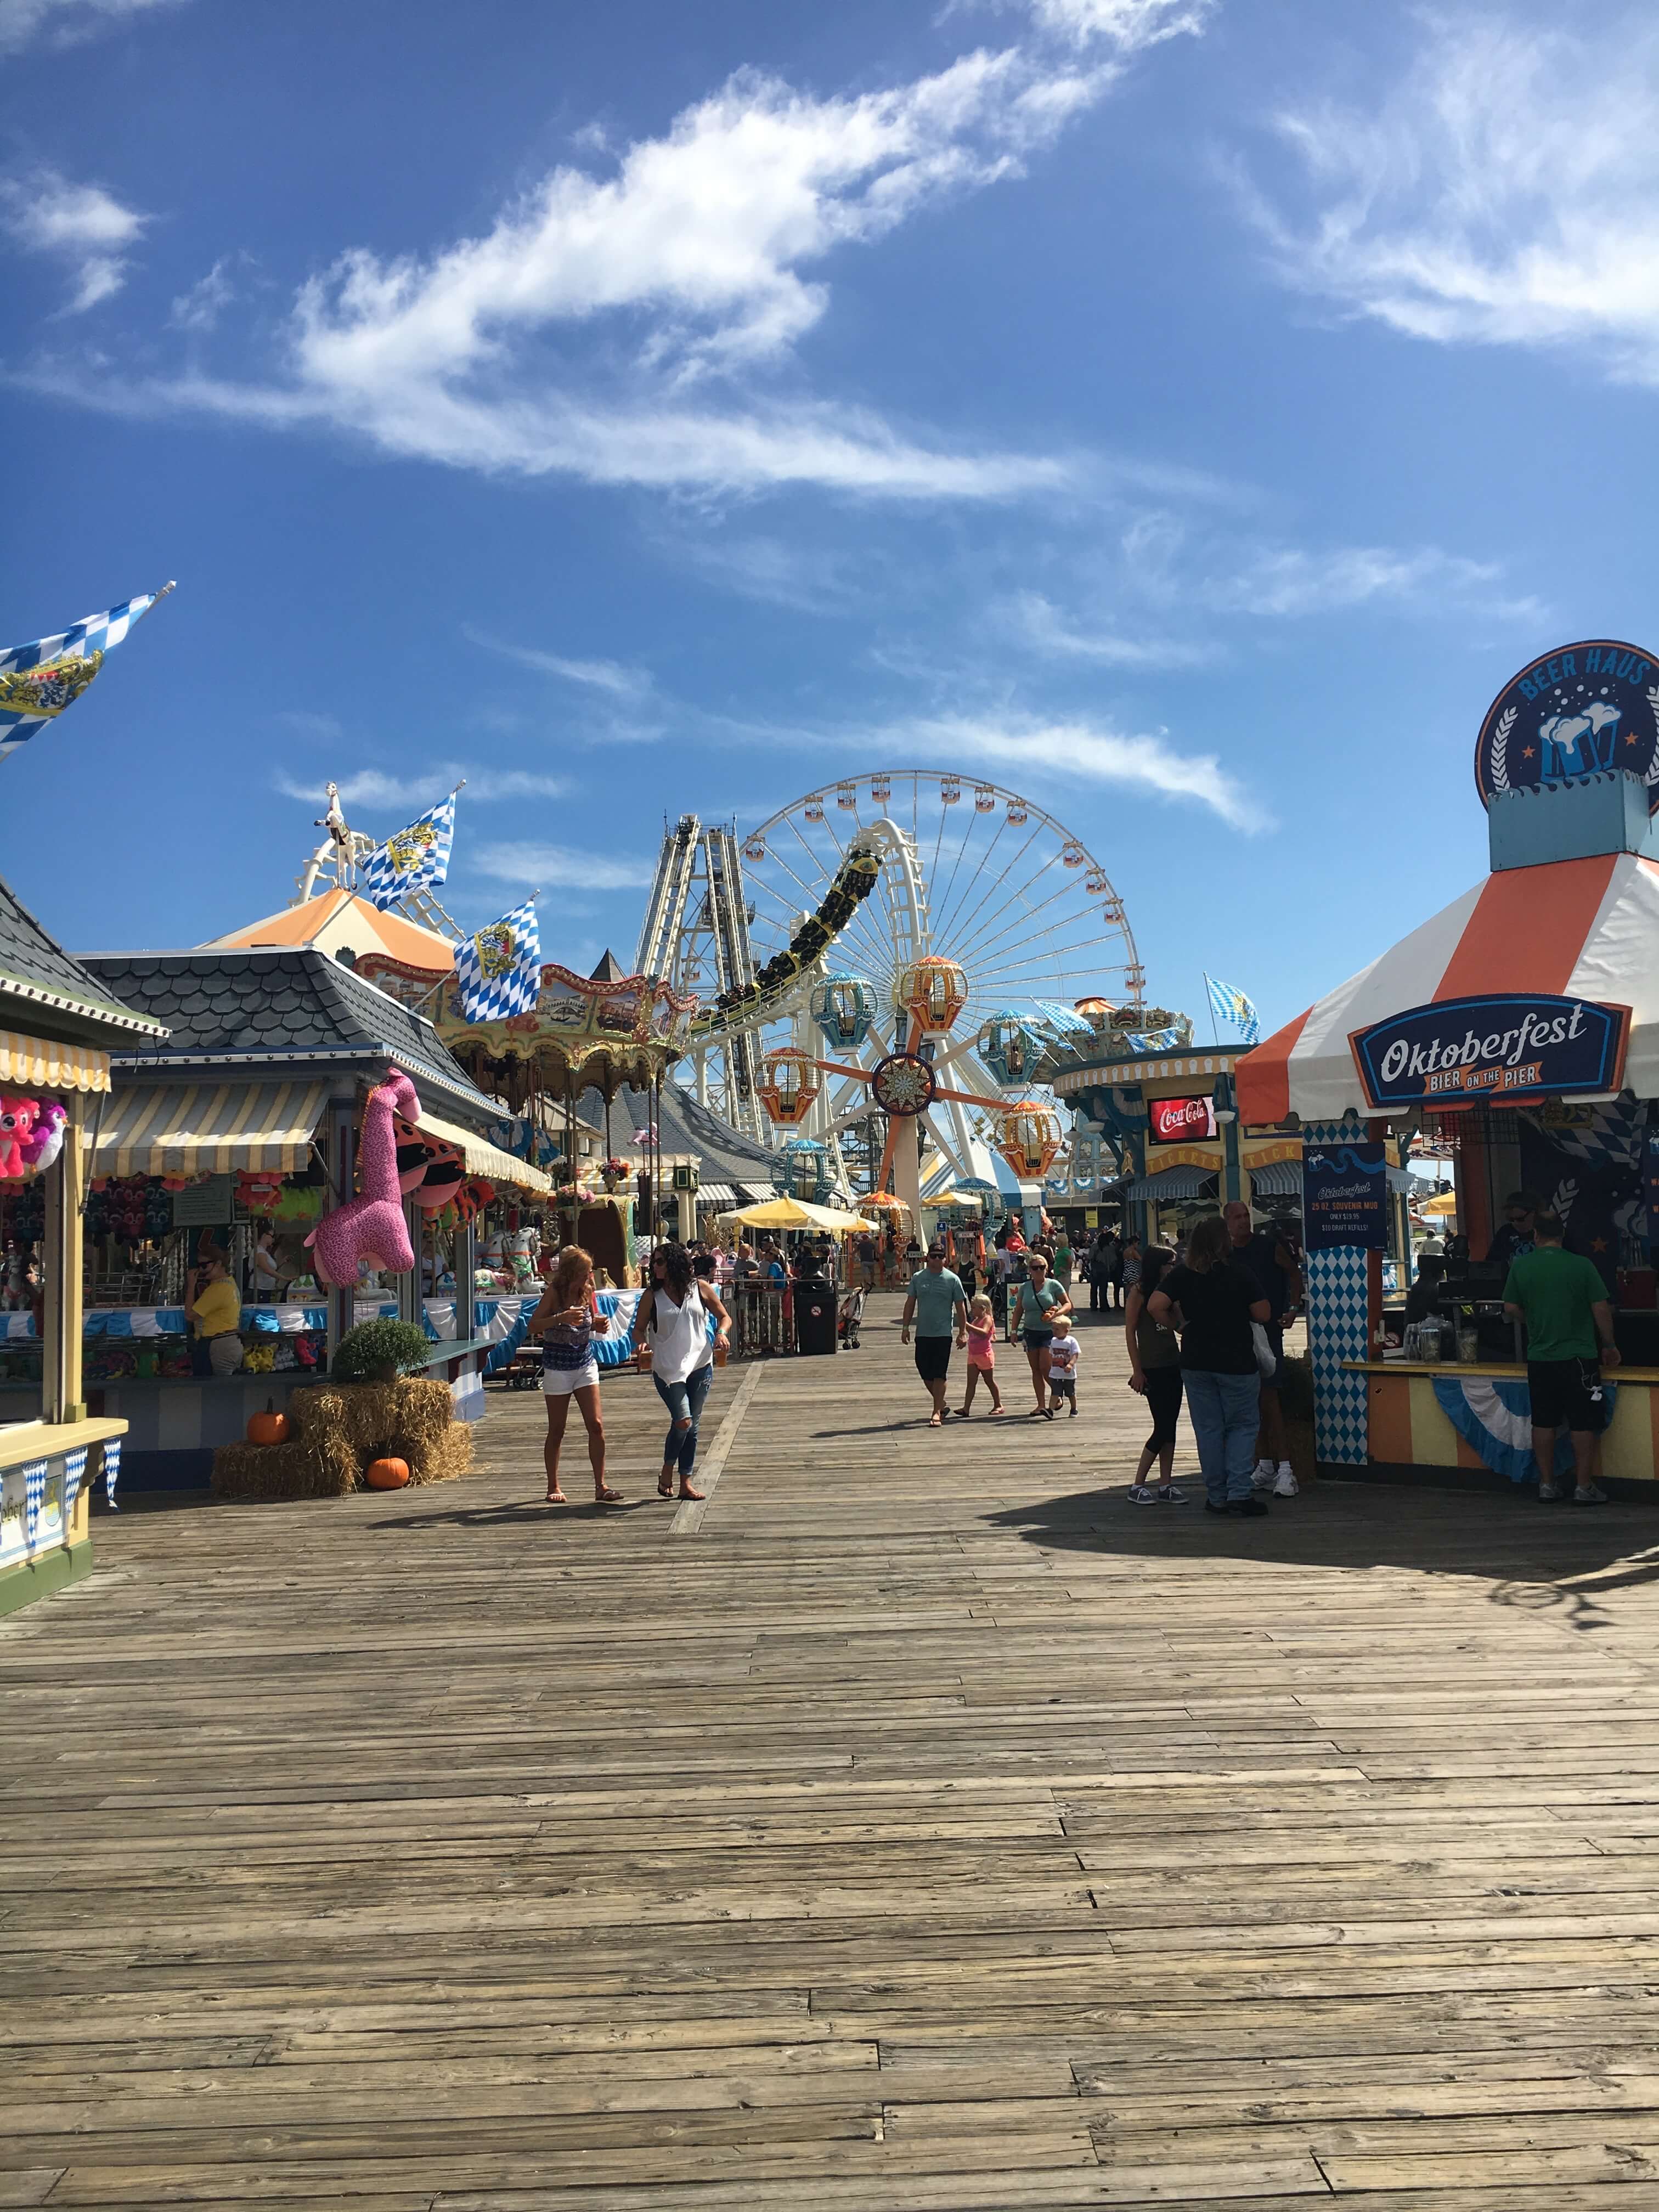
x=1040, y=1298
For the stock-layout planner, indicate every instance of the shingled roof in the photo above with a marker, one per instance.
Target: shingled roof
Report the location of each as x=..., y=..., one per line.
x=723, y=1155
x=285, y=1005
x=48, y=991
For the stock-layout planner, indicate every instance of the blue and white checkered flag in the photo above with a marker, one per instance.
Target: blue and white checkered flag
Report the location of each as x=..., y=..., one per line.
x=75, y=1465
x=37, y=681
x=500, y=968
x=112, y=1471
x=1229, y=1003
x=417, y=859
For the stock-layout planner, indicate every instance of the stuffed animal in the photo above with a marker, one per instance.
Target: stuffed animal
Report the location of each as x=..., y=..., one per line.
x=17, y=1119
x=260, y=1188
x=429, y=1168
x=44, y=1141
x=372, y=1228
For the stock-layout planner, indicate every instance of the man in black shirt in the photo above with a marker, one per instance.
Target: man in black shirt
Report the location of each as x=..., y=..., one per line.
x=1515, y=1236
x=1263, y=1255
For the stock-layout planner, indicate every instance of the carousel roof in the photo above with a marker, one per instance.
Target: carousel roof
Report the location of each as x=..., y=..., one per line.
x=1585, y=928
x=338, y=921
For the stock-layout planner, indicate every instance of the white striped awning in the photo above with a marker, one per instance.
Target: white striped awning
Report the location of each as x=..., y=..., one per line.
x=718, y=1193
x=483, y=1159
x=30, y=1063
x=180, y=1128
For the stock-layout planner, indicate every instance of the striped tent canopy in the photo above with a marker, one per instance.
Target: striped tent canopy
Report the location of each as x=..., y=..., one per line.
x=181, y=1129
x=1583, y=929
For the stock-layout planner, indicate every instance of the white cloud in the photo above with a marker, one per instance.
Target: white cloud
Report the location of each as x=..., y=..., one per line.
x=557, y=867
x=80, y=224
x=619, y=325
x=1042, y=626
x=200, y=308
x=1127, y=24
x=64, y=22
x=1290, y=581
x=610, y=676
x=373, y=787
x=1075, y=750
x=1504, y=193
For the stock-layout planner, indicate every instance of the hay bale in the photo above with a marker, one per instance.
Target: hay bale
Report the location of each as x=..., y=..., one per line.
x=339, y=1428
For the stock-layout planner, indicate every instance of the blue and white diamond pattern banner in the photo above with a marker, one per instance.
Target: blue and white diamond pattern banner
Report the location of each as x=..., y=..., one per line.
x=34, y=1498
x=74, y=1466
x=37, y=681
x=112, y=1471
x=417, y=859
x=1338, y=1329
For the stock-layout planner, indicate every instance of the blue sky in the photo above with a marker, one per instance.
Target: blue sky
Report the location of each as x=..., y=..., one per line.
x=1188, y=414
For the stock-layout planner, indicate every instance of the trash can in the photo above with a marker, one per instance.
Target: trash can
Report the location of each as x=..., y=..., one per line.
x=815, y=1317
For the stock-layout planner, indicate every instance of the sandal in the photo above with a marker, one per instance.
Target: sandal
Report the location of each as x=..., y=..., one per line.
x=602, y=1497
x=696, y=1496
x=556, y=1497
x=664, y=1486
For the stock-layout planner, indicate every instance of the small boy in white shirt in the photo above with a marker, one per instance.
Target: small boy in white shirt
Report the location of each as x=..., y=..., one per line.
x=1062, y=1367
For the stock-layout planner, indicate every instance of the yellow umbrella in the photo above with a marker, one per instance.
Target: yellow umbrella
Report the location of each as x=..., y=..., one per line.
x=798, y=1213
x=1442, y=1208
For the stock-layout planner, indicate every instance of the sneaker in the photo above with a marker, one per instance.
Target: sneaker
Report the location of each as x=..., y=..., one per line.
x=1171, y=1496
x=1263, y=1477
x=1284, y=1482
x=1210, y=1506
x=1549, y=1493
x=1246, y=1508
x=1595, y=1495
x=1140, y=1494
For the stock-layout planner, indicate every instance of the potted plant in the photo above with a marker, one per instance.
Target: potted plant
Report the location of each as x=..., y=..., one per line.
x=379, y=1350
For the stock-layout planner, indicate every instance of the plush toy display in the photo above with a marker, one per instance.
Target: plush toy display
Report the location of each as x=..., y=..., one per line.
x=372, y=1228
x=44, y=1141
x=259, y=1190
x=429, y=1168
x=17, y=1119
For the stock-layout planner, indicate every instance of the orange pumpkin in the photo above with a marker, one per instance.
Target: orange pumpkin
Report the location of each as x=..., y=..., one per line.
x=388, y=1473
x=270, y=1427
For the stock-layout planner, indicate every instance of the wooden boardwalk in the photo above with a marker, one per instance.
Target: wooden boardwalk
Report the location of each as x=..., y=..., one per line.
x=917, y=1825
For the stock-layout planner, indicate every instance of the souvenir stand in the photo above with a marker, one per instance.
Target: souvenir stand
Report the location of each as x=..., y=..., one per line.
x=1519, y=1031
x=245, y=1113
x=58, y=1027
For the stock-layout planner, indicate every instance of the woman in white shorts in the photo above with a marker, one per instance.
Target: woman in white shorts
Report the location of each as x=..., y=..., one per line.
x=566, y=1320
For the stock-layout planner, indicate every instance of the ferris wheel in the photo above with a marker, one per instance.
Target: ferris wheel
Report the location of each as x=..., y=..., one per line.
x=988, y=922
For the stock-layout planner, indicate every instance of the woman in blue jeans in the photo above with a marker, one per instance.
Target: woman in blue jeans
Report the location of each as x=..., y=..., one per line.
x=673, y=1316
x=1212, y=1303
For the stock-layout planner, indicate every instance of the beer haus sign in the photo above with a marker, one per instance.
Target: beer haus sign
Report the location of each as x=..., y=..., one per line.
x=1463, y=1052
x=1582, y=710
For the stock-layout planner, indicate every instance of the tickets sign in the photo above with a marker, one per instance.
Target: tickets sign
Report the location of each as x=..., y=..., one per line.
x=1512, y=1046
x=1179, y=1120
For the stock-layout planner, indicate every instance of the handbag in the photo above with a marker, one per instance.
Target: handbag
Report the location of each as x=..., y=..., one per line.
x=1267, y=1359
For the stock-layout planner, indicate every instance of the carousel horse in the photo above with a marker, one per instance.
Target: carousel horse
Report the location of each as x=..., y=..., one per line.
x=372, y=1227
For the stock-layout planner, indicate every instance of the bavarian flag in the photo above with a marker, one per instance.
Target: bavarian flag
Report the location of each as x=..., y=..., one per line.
x=37, y=681
x=415, y=859
x=1229, y=1003
x=499, y=969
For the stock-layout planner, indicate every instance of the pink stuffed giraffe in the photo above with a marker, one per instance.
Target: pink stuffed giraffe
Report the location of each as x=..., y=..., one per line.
x=372, y=1227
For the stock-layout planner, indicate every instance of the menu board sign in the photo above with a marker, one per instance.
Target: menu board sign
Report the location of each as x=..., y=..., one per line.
x=1345, y=1197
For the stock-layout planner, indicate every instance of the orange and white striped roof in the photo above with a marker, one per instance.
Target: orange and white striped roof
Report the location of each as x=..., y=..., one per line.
x=337, y=918
x=1579, y=929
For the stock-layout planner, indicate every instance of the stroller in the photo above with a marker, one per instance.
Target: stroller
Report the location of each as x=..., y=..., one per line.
x=848, y=1320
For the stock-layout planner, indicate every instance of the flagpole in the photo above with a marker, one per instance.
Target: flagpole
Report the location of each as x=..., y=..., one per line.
x=1215, y=1033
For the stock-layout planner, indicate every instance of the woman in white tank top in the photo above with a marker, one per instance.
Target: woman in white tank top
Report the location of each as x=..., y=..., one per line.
x=673, y=1318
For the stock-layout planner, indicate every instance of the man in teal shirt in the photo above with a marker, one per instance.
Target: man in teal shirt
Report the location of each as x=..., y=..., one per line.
x=938, y=1306
x=1563, y=1302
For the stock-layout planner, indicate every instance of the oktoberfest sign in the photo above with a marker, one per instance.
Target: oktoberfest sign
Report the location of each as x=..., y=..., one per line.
x=1582, y=710
x=1507, y=1046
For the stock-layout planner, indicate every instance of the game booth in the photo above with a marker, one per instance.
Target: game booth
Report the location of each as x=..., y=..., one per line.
x=241, y=1109
x=1517, y=1032
x=57, y=1029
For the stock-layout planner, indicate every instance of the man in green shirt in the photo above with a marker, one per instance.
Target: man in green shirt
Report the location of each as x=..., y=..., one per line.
x=1563, y=1302
x=939, y=1309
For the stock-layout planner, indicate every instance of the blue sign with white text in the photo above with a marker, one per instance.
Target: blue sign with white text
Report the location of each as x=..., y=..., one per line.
x=1465, y=1051
x=1345, y=1197
x=1582, y=710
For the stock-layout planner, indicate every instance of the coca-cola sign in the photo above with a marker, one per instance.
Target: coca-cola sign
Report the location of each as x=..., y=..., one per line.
x=1181, y=1121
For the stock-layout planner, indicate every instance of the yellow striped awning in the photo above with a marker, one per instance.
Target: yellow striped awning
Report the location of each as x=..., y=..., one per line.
x=180, y=1128
x=30, y=1063
x=483, y=1159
